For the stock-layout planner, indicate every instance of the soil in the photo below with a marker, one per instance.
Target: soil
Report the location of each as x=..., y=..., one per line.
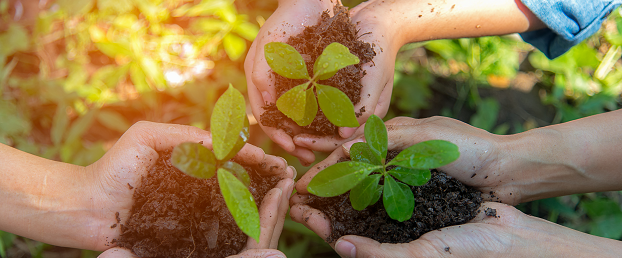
x=310, y=43
x=176, y=215
x=442, y=202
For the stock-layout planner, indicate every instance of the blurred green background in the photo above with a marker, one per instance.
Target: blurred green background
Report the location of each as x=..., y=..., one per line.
x=74, y=75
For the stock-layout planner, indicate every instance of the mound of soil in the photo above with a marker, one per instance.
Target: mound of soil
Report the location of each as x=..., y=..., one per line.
x=176, y=215
x=310, y=43
x=442, y=202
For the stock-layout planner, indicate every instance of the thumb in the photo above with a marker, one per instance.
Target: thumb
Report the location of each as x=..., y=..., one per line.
x=357, y=246
x=259, y=253
x=117, y=253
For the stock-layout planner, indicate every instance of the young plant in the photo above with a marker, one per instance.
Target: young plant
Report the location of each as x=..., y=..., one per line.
x=230, y=131
x=362, y=175
x=299, y=103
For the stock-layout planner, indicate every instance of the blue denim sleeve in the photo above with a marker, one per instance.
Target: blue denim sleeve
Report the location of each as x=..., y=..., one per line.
x=569, y=22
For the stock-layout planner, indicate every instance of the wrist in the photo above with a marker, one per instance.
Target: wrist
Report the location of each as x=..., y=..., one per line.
x=540, y=165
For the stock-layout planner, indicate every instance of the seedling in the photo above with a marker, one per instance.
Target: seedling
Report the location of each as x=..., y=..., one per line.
x=230, y=131
x=299, y=103
x=362, y=175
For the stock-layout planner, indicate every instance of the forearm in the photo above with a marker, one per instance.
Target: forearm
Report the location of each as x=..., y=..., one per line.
x=414, y=21
x=43, y=199
x=576, y=157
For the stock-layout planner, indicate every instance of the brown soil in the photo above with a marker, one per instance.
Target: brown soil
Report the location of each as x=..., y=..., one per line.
x=310, y=43
x=176, y=215
x=442, y=202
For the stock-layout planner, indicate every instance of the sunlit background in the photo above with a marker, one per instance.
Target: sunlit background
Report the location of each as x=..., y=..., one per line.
x=74, y=75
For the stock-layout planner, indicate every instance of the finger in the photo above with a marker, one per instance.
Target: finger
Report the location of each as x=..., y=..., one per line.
x=117, y=252
x=268, y=164
x=282, y=213
x=267, y=219
x=319, y=143
x=356, y=246
x=312, y=219
x=298, y=199
x=259, y=253
x=301, y=185
x=305, y=156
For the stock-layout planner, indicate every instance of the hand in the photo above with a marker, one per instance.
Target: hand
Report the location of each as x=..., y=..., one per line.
x=478, y=165
x=137, y=151
x=510, y=234
x=290, y=18
x=377, y=84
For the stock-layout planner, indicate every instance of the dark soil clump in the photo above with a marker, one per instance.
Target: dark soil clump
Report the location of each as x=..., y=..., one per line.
x=442, y=202
x=310, y=43
x=176, y=215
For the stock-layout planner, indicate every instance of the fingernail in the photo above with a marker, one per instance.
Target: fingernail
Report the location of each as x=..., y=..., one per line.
x=346, y=146
x=345, y=249
x=346, y=132
x=295, y=172
x=267, y=97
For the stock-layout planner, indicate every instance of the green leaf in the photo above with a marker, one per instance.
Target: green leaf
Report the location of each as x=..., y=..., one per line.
x=240, y=203
x=247, y=30
x=398, y=199
x=285, y=60
x=339, y=178
x=153, y=71
x=336, y=106
x=334, y=57
x=13, y=40
x=363, y=193
x=113, y=120
x=114, y=6
x=377, y=194
x=376, y=136
x=361, y=152
x=238, y=171
x=138, y=78
x=293, y=104
x=310, y=109
x=242, y=139
x=59, y=124
x=113, y=49
x=427, y=155
x=414, y=177
x=81, y=125
x=227, y=121
x=73, y=7
x=194, y=159
x=234, y=46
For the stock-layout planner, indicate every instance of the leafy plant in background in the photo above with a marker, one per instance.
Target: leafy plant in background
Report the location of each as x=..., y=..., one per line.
x=230, y=131
x=299, y=103
x=362, y=175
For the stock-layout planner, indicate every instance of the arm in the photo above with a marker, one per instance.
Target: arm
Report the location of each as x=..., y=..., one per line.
x=44, y=199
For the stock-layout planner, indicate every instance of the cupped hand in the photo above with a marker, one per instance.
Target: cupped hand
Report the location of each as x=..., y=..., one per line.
x=136, y=152
x=290, y=18
x=480, y=164
x=510, y=233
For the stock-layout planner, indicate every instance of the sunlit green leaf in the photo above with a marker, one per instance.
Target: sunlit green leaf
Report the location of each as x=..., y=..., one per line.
x=427, y=155
x=247, y=30
x=242, y=139
x=138, y=78
x=334, y=57
x=293, y=103
x=113, y=120
x=227, y=121
x=13, y=40
x=81, y=125
x=285, y=60
x=202, y=9
x=398, y=199
x=336, y=106
x=113, y=49
x=194, y=159
x=310, y=109
x=414, y=177
x=11, y=122
x=114, y=6
x=209, y=25
x=376, y=136
x=73, y=7
x=59, y=124
x=363, y=193
x=361, y=151
x=339, y=178
x=153, y=71
x=238, y=171
x=240, y=203
x=234, y=46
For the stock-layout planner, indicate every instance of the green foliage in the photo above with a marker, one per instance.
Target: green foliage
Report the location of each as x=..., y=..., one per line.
x=229, y=134
x=362, y=175
x=299, y=103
